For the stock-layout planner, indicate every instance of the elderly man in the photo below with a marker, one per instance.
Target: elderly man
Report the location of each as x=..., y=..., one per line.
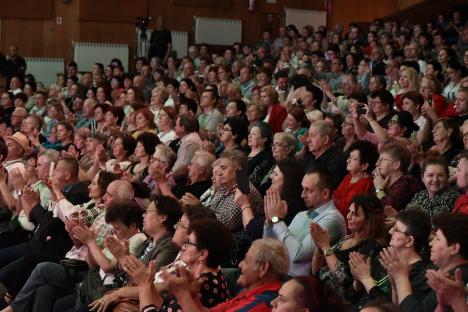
x=317, y=191
x=19, y=114
x=88, y=114
x=322, y=152
x=198, y=179
x=262, y=269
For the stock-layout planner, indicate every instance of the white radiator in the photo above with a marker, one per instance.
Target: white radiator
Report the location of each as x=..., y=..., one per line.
x=45, y=69
x=217, y=31
x=180, y=43
x=301, y=18
x=88, y=53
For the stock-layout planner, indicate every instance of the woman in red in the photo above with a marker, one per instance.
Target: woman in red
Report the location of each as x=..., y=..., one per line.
x=360, y=164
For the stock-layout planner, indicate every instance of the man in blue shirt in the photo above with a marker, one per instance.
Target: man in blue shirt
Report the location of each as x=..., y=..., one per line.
x=317, y=191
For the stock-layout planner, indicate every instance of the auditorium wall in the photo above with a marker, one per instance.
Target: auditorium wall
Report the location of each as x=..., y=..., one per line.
x=47, y=28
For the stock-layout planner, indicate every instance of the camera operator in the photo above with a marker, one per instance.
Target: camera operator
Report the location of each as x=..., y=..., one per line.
x=160, y=41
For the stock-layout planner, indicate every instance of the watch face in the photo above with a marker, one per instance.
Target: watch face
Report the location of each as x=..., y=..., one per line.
x=274, y=219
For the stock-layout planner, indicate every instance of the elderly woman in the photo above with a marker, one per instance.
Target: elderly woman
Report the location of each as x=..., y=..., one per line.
x=122, y=148
x=449, y=252
x=198, y=179
x=113, y=120
x=224, y=206
x=145, y=148
x=159, y=96
x=208, y=242
x=438, y=196
x=360, y=165
x=409, y=235
x=232, y=135
x=284, y=146
x=254, y=113
x=366, y=224
x=446, y=134
x=160, y=164
x=260, y=159
x=158, y=223
x=166, y=122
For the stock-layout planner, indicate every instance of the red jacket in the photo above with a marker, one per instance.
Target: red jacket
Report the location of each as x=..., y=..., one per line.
x=277, y=116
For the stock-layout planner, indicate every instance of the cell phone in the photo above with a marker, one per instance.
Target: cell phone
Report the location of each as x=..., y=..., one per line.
x=51, y=168
x=429, y=99
x=361, y=110
x=242, y=178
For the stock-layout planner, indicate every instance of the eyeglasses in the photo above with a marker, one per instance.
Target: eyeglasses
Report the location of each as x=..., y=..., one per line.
x=384, y=159
x=276, y=145
x=153, y=159
x=394, y=229
x=189, y=243
x=179, y=224
x=225, y=129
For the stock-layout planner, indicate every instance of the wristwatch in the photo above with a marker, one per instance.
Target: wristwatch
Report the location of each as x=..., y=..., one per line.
x=275, y=219
x=329, y=252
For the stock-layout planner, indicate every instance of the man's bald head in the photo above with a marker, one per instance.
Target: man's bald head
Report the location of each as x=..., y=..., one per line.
x=118, y=190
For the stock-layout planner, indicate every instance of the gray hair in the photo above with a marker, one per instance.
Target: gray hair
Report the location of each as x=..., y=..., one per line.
x=125, y=189
x=51, y=155
x=274, y=252
x=324, y=128
x=204, y=159
x=167, y=154
x=163, y=92
x=238, y=158
x=289, y=140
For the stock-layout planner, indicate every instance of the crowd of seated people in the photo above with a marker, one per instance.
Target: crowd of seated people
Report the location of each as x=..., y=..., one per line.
x=320, y=170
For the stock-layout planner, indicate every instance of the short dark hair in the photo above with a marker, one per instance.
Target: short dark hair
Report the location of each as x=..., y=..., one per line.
x=149, y=141
x=128, y=142
x=238, y=128
x=385, y=96
x=325, y=178
x=368, y=153
x=436, y=161
x=189, y=122
x=418, y=225
x=197, y=212
x=3, y=149
x=213, y=236
x=190, y=103
x=105, y=178
x=126, y=211
x=455, y=229
x=399, y=153
x=358, y=96
x=293, y=172
x=72, y=165
x=103, y=107
x=169, y=207
x=118, y=112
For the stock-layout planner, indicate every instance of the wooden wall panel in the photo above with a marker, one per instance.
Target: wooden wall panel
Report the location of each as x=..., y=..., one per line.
x=346, y=11
x=33, y=9
x=112, y=10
